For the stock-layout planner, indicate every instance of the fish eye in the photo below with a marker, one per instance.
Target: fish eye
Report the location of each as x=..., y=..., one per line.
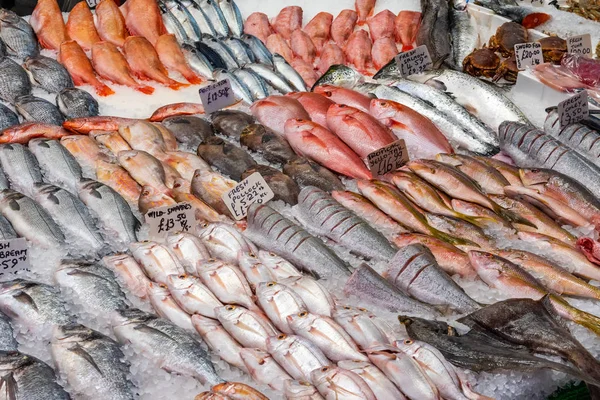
x=252, y=255
x=535, y=170
x=343, y=106
x=203, y=225
x=408, y=341
x=272, y=254
x=383, y=104
x=282, y=336
x=347, y=308
x=270, y=284
x=145, y=193
x=182, y=276
x=163, y=286
x=363, y=309
x=261, y=361
x=210, y=260
x=324, y=369
x=230, y=308
x=303, y=314
x=327, y=93
x=304, y=383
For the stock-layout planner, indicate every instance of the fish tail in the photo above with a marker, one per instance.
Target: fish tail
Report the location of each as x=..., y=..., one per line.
x=193, y=79
x=535, y=19
x=177, y=85
x=556, y=305
x=407, y=47
x=103, y=90
x=145, y=89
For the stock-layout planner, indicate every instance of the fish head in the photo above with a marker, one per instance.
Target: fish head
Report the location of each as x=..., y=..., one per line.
x=280, y=343
x=157, y=289
x=339, y=75
x=534, y=176
x=301, y=321
x=385, y=110
x=486, y=264
x=247, y=259
x=210, y=265
x=14, y=286
x=298, y=125
x=268, y=289
x=14, y=360
x=180, y=282
x=356, y=366
x=324, y=374
x=229, y=312
x=127, y=156
x=407, y=346
x=341, y=110
x=450, y=159
x=345, y=312
x=255, y=358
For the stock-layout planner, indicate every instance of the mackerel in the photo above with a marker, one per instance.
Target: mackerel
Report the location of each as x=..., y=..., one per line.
x=233, y=16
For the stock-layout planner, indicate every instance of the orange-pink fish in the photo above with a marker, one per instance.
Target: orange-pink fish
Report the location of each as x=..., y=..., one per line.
x=319, y=29
x=384, y=50
x=364, y=9
x=382, y=25
x=406, y=27
x=358, y=50
x=343, y=26
x=306, y=71
x=287, y=21
x=316, y=105
x=303, y=46
x=342, y=95
x=331, y=54
x=48, y=24
x=277, y=45
x=273, y=111
x=257, y=24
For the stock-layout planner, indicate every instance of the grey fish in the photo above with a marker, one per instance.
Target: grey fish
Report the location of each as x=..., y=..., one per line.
x=344, y=76
x=366, y=284
x=172, y=347
x=231, y=122
x=192, y=30
x=507, y=8
x=464, y=33
x=20, y=166
x=197, y=61
x=188, y=130
x=198, y=15
x=255, y=84
x=273, y=78
x=222, y=50
x=110, y=208
x=240, y=50
x=30, y=220
x=308, y=173
x=289, y=73
x=2, y=48
x=258, y=48
x=434, y=29
x=239, y=88
x=233, y=16
x=530, y=147
x=6, y=229
x=226, y=157
x=14, y=81
x=26, y=378
x=32, y=304
x=267, y=143
x=60, y=167
x=172, y=24
x=71, y=215
x=7, y=117
x=577, y=136
x=212, y=56
x=4, y=184
x=86, y=356
x=325, y=216
x=48, y=74
x=93, y=286
x=77, y=103
x=271, y=231
x=7, y=338
x=283, y=186
x=481, y=99
x=36, y=109
x=214, y=14
x=414, y=271
x=17, y=35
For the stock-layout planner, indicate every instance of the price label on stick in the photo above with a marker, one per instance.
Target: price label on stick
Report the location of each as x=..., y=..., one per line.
x=253, y=189
x=388, y=159
x=580, y=45
x=14, y=257
x=414, y=61
x=92, y=3
x=176, y=218
x=574, y=109
x=528, y=54
x=216, y=96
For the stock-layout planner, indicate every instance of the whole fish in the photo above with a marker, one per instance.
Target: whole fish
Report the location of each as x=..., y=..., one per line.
x=233, y=16
x=118, y=179
x=255, y=84
x=358, y=50
x=165, y=306
x=219, y=341
x=315, y=296
x=284, y=188
x=315, y=104
x=7, y=117
x=237, y=390
x=85, y=355
x=17, y=35
x=30, y=220
x=110, y=23
x=383, y=50
x=48, y=74
x=230, y=122
x=364, y=9
x=434, y=28
x=188, y=130
x=249, y=328
x=273, y=78
x=479, y=215
x=203, y=212
x=289, y=73
x=7, y=339
x=226, y=157
x=343, y=95
x=332, y=58
x=294, y=389
x=225, y=242
x=366, y=329
x=381, y=25
x=142, y=18
x=76, y=103
x=184, y=18
x=280, y=267
x=278, y=301
x=488, y=178
x=59, y=166
x=308, y=173
x=288, y=20
x=144, y=136
x=144, y=168
x=22, y=133
x=343, y=26
x=72, y=56
x=297, y=355
x=197, y=61
x=14, y=81
x=80, y=26
x=48, y=24
x=209, y=55
x=259, y=50
x=577, y=136
x=257, y=24
x=460, y=228
x=464, y=33
x=215, y=15
x=156, y=260
x=169, y=346
x=264, y=141
x=333, y=381
x=192, y=296
x=129, y=273
x=188, y=249
x=381, y=386
x=239, y=88
x=36, y=109
x=294, y=243
x=172, y=57
x=112, y=210
x=112, y=140
x=151, y=197
x=263, y=368
x=318, y=29
x=227, y=283
x=510, y=172
x=274, y=111
x=210, y=187
x=21, y=167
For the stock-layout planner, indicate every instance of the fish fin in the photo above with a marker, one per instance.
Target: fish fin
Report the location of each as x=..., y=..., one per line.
x=11, y=386
x=177, y=85
x=535, y=19
x=440, y=61
x=452, y=239
x=193, y=79
x=26, y=299
x=152, y=331
x=80, y=351
x=103, y=90
x=407, y=47
x=145, y=89
x=398, y=125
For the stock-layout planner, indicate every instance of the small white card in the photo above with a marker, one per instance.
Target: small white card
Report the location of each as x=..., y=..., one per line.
x=217, y=96
x=580, y=45
x=253, y=189
x=574, y=109
x=528, y=54
x=14, y=257
x=388, y=158
x=414, y=61
x=179, y=217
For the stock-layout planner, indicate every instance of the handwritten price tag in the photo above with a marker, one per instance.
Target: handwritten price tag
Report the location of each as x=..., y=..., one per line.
x=217, y=96
x=574, y=109
x=14, y=257
x=414, y=61
x=580, y=45
x=253, y=189
x=388, y=159
x=176, y=218
x=528, y=54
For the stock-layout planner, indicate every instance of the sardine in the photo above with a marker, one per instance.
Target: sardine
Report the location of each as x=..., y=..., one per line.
x=273, y=78
x=240, y=49
x=219, y=341
x=232, y=15
x=59, y=166
x=289, y=73
x=254, y=83
x=21, y=167
x=48, y=74
x=215, y=15
x=260, y=51
x=197, y=61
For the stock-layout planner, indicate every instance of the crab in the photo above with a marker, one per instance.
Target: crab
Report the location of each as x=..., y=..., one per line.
x=507, y=35
x=507, y=70
x=481, y=62
x=598, y=50
x=553, y=48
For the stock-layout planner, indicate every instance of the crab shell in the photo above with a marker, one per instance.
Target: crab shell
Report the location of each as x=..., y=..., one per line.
x=481, y=62
x=507, y=35
x=507, y=70
x=553, y=48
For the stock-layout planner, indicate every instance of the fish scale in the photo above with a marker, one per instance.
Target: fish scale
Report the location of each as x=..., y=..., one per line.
x=7, y=117
x=14, y=81
x=579, y=137
x=59, y=166
x=48, y=74
x=20, y=166
x=35, y=109
x=18, y=35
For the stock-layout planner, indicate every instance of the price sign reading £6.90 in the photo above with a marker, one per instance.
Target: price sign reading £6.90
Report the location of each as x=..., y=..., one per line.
x=216, y=96
x=180, y=217
x=251, y=190
x=528, y=54
x=414, y=61
x=14, y=257
x=388, y=159
x=573, y=109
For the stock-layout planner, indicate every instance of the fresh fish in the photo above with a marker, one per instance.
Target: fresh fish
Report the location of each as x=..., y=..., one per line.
x=48, y=74
x=129, y=273
x=294, y=243
x=479, y=215
x=76, y=103
x=197, y=61
x=366, y=329
x=169, y=346
x=240, y=49
x=383, y=51
x=264, y=141
x=464, y=33
x=414, y=271
x=379, y=384
x=280, y=267
x=381, y=25
x=325, y=216
x=318, y=29
x=210, y=55
x=215, y=15
x=254, y=83
x=257, y=24
x=297, y=355
x=192, y=296
x=188, y=249
x=156, y=260
x=237, y=390
x=283, y=187
x=144, y=168
x=118, y=179
x=288, y=20
x=515, y=12
x=30, y=220
x=227, y=283
x=316, y=297
x=274, y=111
x=110, y=23
x=434, y=28
x=17, y=35
x=84, y=355
x=372, y=288
x=152, y=198
x=278, y=301
x=144, y=136
x=188, y=130
x=22, y=133
x=239, y=88
x=183, y=17
x=332, y=60
x=219, y=341
x=222, y=50
x=163, y=304
x=21, y=167
x=195, y=13
x=7, y=339
x=203, y=212
x=258, y=48
x=315, y=104
x=210, y=187
x=35, y=109
x=14, y=81
x=59, y=166
x=7, y=117
x=333, y=381
x=172, y=57
x=364, y=9
x=289, y=73
x=231, y=122
x=6, y=230
x=112, y=140
x=273, y=78
x=343, y=26
x=488, y=178
x=254, y=270
x=110, y=208
x=142, y=18
x=358, y=50
x=300, y=390
x=458, y=227
x=74, y=59
x=406, y=28
x=225, y=242
x=29, y=378
x=251, y=329
x=226, y=157
x=263, y=368
x=308, y=173
x=510, y=172
x=48, y=24
x=80, y=26
x=232, y=15
x=576, y=136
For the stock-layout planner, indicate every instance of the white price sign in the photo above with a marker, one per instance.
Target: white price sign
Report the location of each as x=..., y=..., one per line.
x=528, y=54
x=14, y=257
x=574, y=109
x=414, y=61
x=388, y=159
x=92, y=3
x=216, y=96
x=176, y=218
x=253, y=189
x=580, y=45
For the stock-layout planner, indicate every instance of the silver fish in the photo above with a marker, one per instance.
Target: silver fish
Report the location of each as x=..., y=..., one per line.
x=289, y=73
x=335, y=382
x=7, y=338
x=36, y=109
x=14, y=81
x=254, y=83
x=364, y=327
x=214, y=14
x=225, y=242
x=301, y=390
x=18, y=35
x=233, y=16
x=71, y=215
x=156, y=260
x=239, y=88
x=297, y=355
x=278, y=301
x=172, y=24
x=315, y=296
x=260, y=51
x=128, y=273
x=192, y=296
x=465, y=37
x=188, y=249
x=27, y=378
x=227, y=283
x=280, y=267
x=240, y=50
x=198, y=15
x=30, y=220
x=77, y=103
x=263, y=368
x=85, y=356
x=222, y=50
x=273, y=78
x=198, y=62
x=434, y=28
x=253, y=269
x=249, y=328
x=219, y=341
x=166, y=307
x=325, y=216
x=271, y=231
x=48, y=74
x=381, y=386
x=59, y=166
x=21, y=167
x=183, y=16
x=7, y=117
x=111, y=209
x=6, y=229
x=579, y=137
x=4, y=184
x=171, y=347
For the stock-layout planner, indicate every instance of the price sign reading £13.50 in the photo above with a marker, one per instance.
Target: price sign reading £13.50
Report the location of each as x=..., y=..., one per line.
x=14, y=257
x=253, y=189
x=414, y=61
x=216, y=96
x=388, y=159
x=179, y=217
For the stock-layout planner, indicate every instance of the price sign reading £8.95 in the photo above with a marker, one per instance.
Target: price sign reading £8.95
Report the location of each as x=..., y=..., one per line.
x=388, y=159
x=253, y=189
x=216, y=96
x=528, y=54
x=180, y=217
x=414, y=61
x=14, y=257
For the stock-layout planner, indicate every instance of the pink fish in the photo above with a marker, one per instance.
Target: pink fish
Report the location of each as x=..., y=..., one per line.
x=343, y=26
x=382, y=25
x=257, y=24
x=364, y=8
x=303, y=46
x=288, y=20
x=306, y=71
x=277, y=45
x=332, y=54
x=312, y=141
x=143, y=18
x=315, y=104
x=360, y=131
x=342, y=95
x=590, y=248
x=383, y=51
x=273, y=111
x=358, y=50
x=406, y=27
x=318, y=29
